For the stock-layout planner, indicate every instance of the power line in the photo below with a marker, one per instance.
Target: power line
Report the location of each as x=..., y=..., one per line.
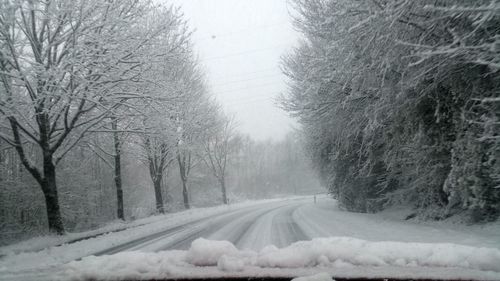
x=248, y=100
x=251, y=99
x=239, y=31
x=245, y=88
x=263, y=70
x=245, y=52
x=254, y=96
x=245, y=80
x=257, y=97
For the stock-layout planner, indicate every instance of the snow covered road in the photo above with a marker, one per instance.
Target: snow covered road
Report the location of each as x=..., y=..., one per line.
x=174, y=231
x=283, y=222
x=248, y=226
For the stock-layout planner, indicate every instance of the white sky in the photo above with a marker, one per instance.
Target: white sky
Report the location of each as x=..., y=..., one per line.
x=240, y=43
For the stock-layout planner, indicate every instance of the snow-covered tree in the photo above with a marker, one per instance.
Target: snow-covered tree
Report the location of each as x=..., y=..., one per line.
x=159, y=140
x=399, y=100
x=197, y=116
x=65, y=68
x=218, y=148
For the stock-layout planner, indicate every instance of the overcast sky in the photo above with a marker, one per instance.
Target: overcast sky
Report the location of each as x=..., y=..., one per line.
x=240, y=43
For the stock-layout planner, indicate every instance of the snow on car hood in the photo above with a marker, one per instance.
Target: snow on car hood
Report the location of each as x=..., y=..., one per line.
x=338, y=256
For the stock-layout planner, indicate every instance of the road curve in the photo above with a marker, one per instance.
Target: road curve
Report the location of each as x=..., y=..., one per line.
x=248, y=228
x=253, y=228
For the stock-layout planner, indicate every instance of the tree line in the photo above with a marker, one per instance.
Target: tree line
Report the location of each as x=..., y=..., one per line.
x=106, y=113
x=84, y=81
x=400, y=103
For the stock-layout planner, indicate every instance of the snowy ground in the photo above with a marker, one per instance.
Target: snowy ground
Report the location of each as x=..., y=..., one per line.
x=325, y=219
x=40, y=243
x=253, y=226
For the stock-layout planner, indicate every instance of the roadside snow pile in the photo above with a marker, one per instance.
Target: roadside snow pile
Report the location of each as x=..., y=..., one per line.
x=351, y=251
x=332, y=255
x=208, y=253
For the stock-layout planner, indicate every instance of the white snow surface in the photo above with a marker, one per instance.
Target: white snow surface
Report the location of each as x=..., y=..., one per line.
x=334, y=255
x=203, y=253
x=42, y=242
x=47, y=251
x=326, y=219
x=259, y=242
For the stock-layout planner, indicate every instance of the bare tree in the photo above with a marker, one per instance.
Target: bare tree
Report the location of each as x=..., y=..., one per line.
x=159, y=157
x=194, y=123
x=165, y=65
x=217, y=150
x=118, y=170
x=158, y=148
x=196, y=114
x=63, y=72
x=171, y=88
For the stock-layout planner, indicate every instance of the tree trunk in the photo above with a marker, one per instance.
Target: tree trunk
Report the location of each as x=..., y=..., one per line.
x=49, y=189
x=185, y=193
x=223, y=189
x=118, y=171
x=47, y=181
x=158, y=196
x=183, y=174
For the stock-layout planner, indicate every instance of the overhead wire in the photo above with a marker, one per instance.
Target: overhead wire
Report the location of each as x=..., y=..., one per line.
x=231, y=82
x=258, y=97
x=263, y=70
x=246, y=80
x=244, y=52
x=239, y=31
x=245, y=88
x=251, y=100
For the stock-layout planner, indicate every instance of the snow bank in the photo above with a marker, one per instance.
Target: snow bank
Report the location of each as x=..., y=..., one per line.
x=216, y=258
x=326, y=251
x=325, y=219
x=207, y=253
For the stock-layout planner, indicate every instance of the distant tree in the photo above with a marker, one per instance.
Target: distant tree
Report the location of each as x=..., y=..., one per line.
x=159, y=141
x=156, y=84
x=218, y=148
x=189, y=144
x=197, y=115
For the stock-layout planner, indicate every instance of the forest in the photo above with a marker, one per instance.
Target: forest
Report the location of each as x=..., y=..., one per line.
x=400, y=103
x=106, y=113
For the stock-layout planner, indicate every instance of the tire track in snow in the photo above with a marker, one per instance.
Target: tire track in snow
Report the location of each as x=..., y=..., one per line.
x=232, y=228
x=183, y=241
x=142, y=242
x=250, y=226
x=285, y=229
x=276, y=227
x=259, y=235
x=243, y=227
x=145, y=240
